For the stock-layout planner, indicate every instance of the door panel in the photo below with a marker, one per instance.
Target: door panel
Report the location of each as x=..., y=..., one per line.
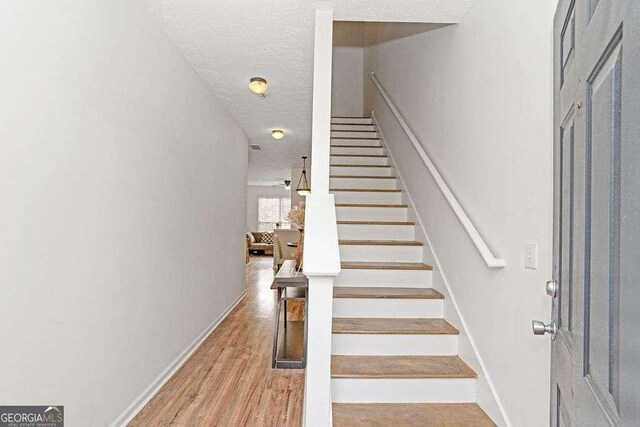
x=596, y=160
x=630, y=222
x=567, y=139
x=603, y=224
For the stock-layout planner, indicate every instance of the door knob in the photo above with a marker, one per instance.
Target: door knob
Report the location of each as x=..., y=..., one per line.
x=539, y=328
x=551, y=288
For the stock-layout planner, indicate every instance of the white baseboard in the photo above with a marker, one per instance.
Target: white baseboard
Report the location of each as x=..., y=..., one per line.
x=139, y=402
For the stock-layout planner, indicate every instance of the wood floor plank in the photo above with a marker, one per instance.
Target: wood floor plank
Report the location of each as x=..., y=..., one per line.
x=410, y=415
x=229, y=380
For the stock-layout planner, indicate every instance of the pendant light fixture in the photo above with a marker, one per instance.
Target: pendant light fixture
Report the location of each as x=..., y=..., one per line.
x=303, y=185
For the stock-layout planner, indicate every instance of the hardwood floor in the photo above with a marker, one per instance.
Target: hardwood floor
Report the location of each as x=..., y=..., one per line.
x=228, y=381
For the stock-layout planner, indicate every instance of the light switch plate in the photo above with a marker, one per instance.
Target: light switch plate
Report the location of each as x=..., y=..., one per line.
x=531, y=255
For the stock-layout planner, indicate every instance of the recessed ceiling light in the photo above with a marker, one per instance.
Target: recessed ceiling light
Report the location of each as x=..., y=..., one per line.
x=277, y=134
x=258, y=85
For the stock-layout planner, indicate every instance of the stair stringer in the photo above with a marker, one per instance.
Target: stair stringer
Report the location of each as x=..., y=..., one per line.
x=487, y=396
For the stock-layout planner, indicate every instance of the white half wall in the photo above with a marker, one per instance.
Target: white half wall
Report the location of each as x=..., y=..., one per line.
x=123, y=183
x=478, y=96
x=253, y=193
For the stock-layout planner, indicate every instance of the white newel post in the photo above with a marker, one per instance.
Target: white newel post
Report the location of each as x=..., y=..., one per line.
x=317, y=387
x=321, y=120
x=321, y=265
x=321, y=253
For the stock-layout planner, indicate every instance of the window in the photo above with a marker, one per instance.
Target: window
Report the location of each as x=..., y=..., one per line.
x=272, y=210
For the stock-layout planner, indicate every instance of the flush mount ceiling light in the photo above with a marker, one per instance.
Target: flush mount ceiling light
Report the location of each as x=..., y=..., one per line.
x=259, y=86
x=277, y=134
x=303, y=185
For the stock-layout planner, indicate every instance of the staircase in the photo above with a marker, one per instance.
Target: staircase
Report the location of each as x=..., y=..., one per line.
x=394, y=356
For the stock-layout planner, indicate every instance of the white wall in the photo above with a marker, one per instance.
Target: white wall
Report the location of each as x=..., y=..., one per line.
x=346, y=69
x=346, y=85
x=255, y=191
x=123, y=184
x=478, y=97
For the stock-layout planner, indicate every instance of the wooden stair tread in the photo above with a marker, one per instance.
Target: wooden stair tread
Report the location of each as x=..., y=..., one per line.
x=410, y=415
x=400, y=367
x=368, y=205
x=353, y=265
x=358, y=155
x=355, y=146
x=393, y=326
x=385, y=293
x=362, y=176
x=353, y=124
x=380, y=243
x=358, y=166
x=366, y=190
x=353, y=130
x=376, y=222
x=354, y=137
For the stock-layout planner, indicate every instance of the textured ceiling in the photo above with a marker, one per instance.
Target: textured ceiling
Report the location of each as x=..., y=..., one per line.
x=229, y=41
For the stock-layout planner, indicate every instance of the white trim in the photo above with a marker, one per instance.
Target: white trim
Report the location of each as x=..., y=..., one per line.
x=483, y=367
x=481, y=245
x=143, y=398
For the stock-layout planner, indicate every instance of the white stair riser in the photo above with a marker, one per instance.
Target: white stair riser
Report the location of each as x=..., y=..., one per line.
x=359, y=171
x=361, y=127
x=357, y=150
x=349, y=160
x=359, y=120
x=394, y=345
x=381, y=198
x=342, y=134
x=403, y=390
x=384, y=278
x=375, y=232
x=380, y=253
x=364, y=183
x=360, y=142
x=387, y=307
x=344, y=213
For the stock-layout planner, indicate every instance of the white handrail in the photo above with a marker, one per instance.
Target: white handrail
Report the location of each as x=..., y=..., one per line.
x=481, y=246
